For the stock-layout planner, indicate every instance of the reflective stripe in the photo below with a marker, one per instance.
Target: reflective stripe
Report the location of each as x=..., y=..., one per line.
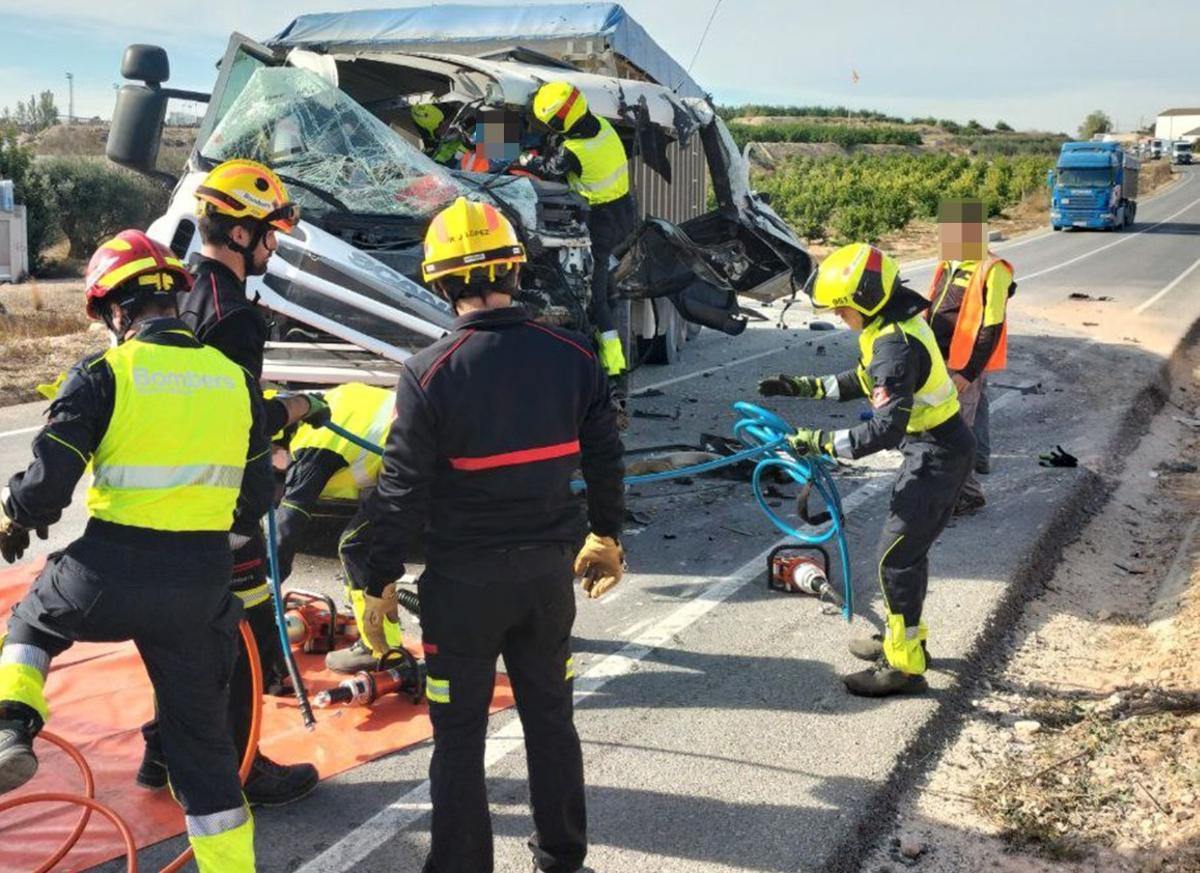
x=216, y=823
x=159, y=477
x=27, y=655
x=63, y=442
x=841, y=444
x=570, y=668
x=602, y=184
x=512, y=459
x=365, y=468
x=437, y=690
x=833, y=391
x=252, y=597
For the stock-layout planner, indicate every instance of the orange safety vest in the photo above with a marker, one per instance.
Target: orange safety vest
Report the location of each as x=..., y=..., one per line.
x=473, y=162
x=970, y=317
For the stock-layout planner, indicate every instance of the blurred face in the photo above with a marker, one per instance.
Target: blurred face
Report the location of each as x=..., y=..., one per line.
x=852, y=317
x=962, y=230
x=498, y=135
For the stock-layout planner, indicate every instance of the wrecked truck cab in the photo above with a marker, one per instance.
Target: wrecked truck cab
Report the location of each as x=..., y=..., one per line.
x=345, y=288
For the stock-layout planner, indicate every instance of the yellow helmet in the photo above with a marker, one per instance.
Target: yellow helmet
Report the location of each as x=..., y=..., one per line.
x=559, y=105
x=466, y=236
x=858, y=275
x=246, y=189
x=427, y=117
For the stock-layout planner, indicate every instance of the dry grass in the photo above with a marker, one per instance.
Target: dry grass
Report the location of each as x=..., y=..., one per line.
x=44, y=331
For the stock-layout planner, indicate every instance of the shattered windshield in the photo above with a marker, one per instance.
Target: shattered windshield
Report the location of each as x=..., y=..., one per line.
x=331, y=152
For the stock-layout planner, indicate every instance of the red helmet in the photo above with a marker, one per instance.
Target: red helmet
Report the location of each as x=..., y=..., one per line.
x=129, y=256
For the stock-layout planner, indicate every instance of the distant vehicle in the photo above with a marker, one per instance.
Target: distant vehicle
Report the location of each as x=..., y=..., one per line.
x=1181, y=152
x=1156, y=149
x=1095, y=185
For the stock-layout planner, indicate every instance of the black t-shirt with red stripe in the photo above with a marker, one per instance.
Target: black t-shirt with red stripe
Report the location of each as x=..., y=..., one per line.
x=492, y=422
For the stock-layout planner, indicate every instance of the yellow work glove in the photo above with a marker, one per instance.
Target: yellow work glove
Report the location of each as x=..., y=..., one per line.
x=600, y=564
x=375, y=611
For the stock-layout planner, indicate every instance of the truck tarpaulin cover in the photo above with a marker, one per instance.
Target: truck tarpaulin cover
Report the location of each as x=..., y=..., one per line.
x=465, y=29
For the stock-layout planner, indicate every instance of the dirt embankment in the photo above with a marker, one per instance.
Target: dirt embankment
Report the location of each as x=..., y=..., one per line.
x=1083, y=753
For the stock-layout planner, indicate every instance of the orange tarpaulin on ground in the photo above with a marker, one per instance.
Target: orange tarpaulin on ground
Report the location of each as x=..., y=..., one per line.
x=100, y=696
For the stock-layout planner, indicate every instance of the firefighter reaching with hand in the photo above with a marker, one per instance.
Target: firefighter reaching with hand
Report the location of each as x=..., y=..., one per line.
x=901, y=373
x=241, y=206
x=325, y=466
x=591, y=159
x=491, y=422
x=174, y=432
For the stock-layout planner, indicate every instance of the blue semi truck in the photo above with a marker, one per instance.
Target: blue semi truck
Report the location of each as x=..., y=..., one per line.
x=1094, y=185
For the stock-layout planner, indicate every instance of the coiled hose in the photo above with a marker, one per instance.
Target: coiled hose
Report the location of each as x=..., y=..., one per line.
x=88, y=801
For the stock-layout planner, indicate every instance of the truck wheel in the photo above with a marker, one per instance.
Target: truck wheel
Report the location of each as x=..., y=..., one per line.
x=1056, y=227
x=667, y=347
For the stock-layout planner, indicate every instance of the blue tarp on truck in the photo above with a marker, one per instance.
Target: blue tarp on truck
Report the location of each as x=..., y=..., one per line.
x=560, y=29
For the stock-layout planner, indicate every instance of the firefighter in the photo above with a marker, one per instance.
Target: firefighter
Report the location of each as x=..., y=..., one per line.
x=174, y=433
x=325, y=466
x=240, y=206
x=902, y=374
x=443, y=145
x=490, y=423
x=969, y=295
x=592, y=160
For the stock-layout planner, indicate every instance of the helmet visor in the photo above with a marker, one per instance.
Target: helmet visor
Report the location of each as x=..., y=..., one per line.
x=284, y=217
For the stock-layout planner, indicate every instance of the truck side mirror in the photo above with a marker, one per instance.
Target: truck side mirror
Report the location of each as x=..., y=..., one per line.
x=146, y=63
x=137, y=126
x=1049, y=178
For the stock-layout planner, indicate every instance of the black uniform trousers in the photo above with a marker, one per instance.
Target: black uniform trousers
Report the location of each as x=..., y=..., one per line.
x=518, y=603
x=608, y=226
x=248, y=575
x=176, y=607
x=354, y=548
x=936, y=463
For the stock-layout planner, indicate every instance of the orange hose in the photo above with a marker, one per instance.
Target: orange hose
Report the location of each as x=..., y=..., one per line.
x=256, y=692
x=90, y=805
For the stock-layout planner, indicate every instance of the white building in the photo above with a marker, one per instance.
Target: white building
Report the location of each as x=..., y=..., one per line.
x=1178, y=124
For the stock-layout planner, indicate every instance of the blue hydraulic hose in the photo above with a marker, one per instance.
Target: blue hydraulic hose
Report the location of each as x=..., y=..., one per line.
x=281, y=624
x=765, y=436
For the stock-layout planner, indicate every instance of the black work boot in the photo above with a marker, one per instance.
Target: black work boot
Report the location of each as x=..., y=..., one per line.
x=883, y=680
x=152, y=774
x=19, y=724
x=969, y=504
x=271, y=784
x=871, y=648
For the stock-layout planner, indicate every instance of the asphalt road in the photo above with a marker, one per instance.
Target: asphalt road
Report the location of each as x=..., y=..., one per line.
x=716, y=734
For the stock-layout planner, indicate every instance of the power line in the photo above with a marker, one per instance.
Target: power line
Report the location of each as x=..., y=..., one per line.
x=703, y=36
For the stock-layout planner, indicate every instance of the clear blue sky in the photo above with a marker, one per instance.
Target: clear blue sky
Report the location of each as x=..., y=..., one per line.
x=1035, y=63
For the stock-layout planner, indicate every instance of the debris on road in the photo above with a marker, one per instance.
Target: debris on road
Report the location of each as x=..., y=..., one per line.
x=1079, y=295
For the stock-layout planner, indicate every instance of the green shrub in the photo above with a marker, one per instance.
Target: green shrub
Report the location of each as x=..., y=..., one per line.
x=840, y=134
x=862, y=197
x=93, y=200
x=30, y=186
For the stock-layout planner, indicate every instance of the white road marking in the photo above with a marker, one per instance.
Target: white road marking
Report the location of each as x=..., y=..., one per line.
x=360, y=843
x=1167, y=290
x=19, y=431
x=634, y=392
x=1123, y=239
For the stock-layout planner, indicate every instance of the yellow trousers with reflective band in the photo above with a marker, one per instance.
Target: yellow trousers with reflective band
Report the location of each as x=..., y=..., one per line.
x=223, y=842
x=391, y=629
x=21, y=683
x=612, y=353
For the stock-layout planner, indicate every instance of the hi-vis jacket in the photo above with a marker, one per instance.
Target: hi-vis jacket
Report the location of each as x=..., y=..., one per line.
x=174, y=432
x=902, y=373
x=967, y=312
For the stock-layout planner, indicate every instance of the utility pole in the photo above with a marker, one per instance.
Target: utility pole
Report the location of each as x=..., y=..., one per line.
x=70, y=97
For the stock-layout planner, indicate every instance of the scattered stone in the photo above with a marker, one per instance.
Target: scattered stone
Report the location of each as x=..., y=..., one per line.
x=1026, y=728
x=1176, y=467
x=911, y=847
